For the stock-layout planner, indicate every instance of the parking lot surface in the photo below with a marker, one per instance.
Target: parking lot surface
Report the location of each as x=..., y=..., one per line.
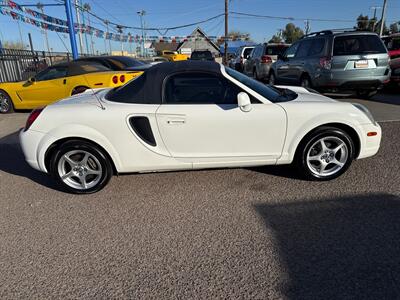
x=259, y=233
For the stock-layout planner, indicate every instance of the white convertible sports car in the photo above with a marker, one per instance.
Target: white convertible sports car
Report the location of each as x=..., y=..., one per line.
x=194, y=115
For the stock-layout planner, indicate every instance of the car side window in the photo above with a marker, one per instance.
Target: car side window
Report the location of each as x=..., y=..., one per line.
x=195, y=88
x=52, y=73
x=317, y=47
x=291, y=51
x=200, y=88
x=303, y=48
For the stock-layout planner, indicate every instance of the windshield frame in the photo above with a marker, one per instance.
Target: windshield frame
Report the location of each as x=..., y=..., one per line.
x=281, y=95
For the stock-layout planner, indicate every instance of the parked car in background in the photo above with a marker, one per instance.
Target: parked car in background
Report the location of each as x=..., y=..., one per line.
x=155, y=60
x=335, y=61
x=173, y=55
x=58, y=82
x=392, y=43
x=195, y=115
x=395, y=77
x=241, y=57
x=261, y=58
x=202, y=55
x=117, y=63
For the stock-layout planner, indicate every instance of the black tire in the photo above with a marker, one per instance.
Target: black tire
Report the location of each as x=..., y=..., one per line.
x=366, y=94
x=272, y=79
x=98, y=161
x=305, y=81
x=310, y=170
x=255, y=76
x=79, y=89
x=6, y=104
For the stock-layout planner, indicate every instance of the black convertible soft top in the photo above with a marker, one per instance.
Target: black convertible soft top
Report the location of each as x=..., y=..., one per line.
x=147, y=89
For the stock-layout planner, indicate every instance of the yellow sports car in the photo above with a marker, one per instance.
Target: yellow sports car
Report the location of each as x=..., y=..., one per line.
x=174, y=56
x=58, y=82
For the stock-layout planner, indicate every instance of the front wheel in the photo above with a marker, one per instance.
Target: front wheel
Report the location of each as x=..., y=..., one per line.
x=6, y=105
x=326, y=154
x=80, y=167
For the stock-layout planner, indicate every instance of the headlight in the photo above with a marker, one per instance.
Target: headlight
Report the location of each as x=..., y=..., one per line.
x=365, y=111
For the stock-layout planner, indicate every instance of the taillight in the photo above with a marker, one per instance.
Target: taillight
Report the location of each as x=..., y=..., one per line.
x=32, y=117
x=265, y=59
x=325, y=63
x=122, y=78
x=115, y=79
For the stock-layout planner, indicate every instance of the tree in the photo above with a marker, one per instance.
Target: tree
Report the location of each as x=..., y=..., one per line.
x=275, y=39
x=366, y=24
x=394, y=28
x=292, y=33
x=13, y=45
x=235, y=34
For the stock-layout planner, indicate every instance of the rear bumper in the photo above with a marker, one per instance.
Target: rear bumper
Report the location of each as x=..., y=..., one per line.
x=263, y=71
x=332, y=82
x=30, y=141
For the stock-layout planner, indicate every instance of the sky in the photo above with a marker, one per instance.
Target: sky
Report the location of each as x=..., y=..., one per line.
x=169, y=13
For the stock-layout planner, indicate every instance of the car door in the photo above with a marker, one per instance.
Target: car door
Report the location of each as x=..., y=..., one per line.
x=283, y=65
x=48, y=86
x=200, y=122
x=298, y=62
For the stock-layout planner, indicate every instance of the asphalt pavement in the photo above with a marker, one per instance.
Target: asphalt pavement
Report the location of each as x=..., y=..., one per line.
x=258, y=233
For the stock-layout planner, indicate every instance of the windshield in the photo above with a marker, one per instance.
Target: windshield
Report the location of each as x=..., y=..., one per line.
x=201, y=55
x=272, y=93
x=358, y=44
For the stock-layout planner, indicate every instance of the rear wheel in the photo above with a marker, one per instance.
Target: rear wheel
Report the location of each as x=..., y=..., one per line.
x=305, y=81
x=255, y=76
x=366, y=94
x=6, y=105
x=272, y=79
x=326, y=154
x=80, y=167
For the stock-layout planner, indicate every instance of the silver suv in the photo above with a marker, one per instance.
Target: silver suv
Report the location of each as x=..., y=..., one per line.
x=261, y=58
x=337, y=62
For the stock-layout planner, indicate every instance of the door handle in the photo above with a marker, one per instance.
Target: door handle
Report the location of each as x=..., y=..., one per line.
x=176, y=121
x=65, y=81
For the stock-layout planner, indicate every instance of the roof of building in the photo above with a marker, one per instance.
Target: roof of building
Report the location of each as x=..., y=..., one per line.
x=198, y=30
x=161, y=46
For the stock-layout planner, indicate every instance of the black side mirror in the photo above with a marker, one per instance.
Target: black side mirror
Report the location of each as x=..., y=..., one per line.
x=32, y=79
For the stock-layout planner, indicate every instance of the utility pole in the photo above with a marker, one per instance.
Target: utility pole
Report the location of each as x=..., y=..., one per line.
x=109, y=40
x=70, y=21
x=141, y=14
x=120, y=31
x=383, y=17
x=226, y=33
x=78, y=19
x=40, y=7
x=374, y=8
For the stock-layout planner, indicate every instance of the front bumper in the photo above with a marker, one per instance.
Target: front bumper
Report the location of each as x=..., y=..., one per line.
x=30, y=142
x=369, y=144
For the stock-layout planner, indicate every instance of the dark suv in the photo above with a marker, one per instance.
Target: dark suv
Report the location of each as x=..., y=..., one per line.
x=202, y=55
x=338, y=62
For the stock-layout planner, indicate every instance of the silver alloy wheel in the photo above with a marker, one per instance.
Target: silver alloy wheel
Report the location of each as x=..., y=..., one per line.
x=4, y=103
x=327, y=156
x=79, y=169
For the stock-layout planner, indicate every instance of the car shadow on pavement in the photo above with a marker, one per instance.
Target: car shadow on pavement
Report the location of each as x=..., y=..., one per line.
x=339, y=248
x=287, y=171
x=12, y=161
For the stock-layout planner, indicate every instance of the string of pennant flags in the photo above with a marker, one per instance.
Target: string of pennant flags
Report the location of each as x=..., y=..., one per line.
x=54, y=24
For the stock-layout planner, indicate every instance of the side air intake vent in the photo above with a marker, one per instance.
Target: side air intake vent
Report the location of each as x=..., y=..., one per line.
x=142, y=128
